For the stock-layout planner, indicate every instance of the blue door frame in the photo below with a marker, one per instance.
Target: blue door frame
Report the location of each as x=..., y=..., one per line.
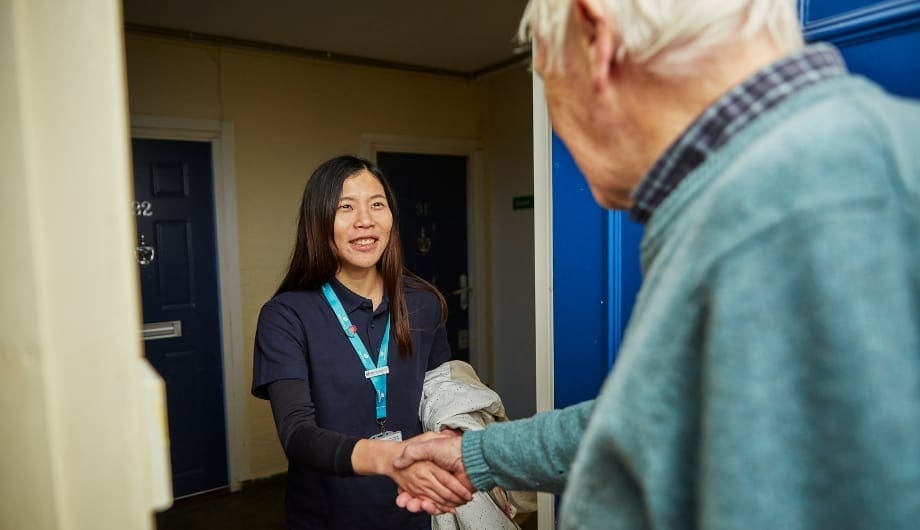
x=595, y=252
x=878, y=39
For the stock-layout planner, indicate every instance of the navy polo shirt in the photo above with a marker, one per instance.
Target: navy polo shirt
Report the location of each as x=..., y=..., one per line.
x=299, y=337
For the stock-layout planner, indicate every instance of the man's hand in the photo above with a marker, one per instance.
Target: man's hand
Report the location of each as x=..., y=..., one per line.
x=445, y=452
x=425, y=480
x=435, y=488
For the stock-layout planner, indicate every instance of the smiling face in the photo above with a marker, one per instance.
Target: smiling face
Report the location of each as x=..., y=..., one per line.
x=363, y=222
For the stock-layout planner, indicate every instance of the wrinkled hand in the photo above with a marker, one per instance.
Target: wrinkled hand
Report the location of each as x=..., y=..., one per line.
x=445, y=452
x=440, y=489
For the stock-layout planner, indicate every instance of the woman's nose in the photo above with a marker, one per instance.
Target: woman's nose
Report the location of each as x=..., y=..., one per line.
x=364, y=217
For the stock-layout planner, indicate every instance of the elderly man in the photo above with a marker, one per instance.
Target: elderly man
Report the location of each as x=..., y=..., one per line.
x=770, y=374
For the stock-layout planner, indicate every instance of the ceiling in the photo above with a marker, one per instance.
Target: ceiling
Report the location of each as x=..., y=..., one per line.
x=465, y=38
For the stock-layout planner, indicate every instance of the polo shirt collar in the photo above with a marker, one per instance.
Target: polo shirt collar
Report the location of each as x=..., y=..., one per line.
x=353, y=301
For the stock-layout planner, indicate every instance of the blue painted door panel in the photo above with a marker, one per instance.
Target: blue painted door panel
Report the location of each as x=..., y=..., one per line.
x=880, y=40
x=595, y=279
x=175, y=216
x=820, y=9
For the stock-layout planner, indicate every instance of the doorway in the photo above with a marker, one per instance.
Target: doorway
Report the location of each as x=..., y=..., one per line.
x=479, y=352
x=431, y=194
x=178, y=270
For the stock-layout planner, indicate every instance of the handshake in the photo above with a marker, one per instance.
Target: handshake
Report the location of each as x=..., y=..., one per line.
x=429, y=471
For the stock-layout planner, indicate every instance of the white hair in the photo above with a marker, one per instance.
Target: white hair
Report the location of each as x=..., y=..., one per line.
x=667, y=36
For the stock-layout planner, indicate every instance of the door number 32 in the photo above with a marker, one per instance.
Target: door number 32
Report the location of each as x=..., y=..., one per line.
x=142, y=208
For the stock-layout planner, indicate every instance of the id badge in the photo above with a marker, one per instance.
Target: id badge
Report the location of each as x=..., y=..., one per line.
x=390, y=436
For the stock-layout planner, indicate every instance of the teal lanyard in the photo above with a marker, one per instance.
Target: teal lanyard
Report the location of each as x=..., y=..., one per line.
x=377, y=374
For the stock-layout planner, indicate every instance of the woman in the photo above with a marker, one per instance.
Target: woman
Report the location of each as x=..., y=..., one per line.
x=342, y=404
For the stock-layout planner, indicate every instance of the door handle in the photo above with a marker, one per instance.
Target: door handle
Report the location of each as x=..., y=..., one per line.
x=464, y=292
x=162, y=330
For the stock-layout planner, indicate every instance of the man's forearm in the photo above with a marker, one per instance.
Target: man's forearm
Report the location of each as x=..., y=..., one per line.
x=532, y=454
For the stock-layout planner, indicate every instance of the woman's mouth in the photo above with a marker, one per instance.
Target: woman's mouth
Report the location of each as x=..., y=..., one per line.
x=364, y=243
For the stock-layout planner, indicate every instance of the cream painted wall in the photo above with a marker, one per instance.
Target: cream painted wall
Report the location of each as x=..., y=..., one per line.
x=507, y=136
x=289, y=114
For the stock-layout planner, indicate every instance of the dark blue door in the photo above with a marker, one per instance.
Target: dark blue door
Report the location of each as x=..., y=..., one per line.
x=431, y=193
x=177, y=258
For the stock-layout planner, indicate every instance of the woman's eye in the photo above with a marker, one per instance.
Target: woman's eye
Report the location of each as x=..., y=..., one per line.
x=345, y=207
x=379, y=205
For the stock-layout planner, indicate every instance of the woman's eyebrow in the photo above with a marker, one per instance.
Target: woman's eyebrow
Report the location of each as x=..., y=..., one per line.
x=375, y=196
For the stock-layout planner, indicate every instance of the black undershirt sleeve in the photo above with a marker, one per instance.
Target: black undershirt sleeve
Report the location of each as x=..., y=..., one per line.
x=304, y=443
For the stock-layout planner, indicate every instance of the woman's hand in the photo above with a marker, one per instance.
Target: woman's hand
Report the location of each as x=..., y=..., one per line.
x=427, y=482
x=444, y=452
x=423, y=480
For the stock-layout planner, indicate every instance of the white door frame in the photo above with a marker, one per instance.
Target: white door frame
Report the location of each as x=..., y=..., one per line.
x=477, y=244
x=220, y=135
x=543, y=273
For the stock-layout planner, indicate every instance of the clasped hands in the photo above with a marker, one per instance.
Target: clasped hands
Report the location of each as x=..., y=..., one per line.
x=430, y=474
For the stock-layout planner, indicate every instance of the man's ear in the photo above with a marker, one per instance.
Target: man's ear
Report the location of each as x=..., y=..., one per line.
x=596, y=25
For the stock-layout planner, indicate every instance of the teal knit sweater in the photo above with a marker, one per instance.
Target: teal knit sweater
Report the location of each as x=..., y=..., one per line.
x=770, y=374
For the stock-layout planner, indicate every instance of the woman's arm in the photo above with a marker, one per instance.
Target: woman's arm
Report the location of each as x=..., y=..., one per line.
x=324, y=450
x=303, y=441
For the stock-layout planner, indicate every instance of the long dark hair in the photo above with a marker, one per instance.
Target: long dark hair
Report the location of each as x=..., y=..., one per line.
x=314, y=262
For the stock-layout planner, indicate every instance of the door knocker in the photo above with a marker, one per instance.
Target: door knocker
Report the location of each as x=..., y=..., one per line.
x=145, y=253
x=423, y=242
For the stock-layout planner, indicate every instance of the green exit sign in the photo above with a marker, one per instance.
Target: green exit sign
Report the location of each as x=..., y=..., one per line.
x=524, y=202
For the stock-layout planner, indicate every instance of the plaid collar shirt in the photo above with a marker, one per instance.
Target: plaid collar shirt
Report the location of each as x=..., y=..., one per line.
x=731, y=113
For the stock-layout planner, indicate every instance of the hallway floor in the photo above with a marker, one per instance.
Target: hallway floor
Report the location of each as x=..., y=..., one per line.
x=258, y=506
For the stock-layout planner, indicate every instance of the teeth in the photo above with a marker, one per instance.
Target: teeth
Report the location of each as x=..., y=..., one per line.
x=367, y=241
